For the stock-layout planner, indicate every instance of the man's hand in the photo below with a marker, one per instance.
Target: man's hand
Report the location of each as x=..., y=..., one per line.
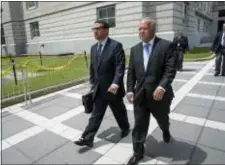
x=130, y=97
x=113, y=89
x=158, y=94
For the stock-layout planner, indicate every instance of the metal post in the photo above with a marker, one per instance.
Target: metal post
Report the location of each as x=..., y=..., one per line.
x=27, y=96
x=86, y=59
x=14, y=69
x=40, y=54
x=27, y=85
x=24, y=84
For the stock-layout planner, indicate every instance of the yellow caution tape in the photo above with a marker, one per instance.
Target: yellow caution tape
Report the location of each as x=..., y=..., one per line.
x=28, y=62
x=6, y=72
x=53, y=68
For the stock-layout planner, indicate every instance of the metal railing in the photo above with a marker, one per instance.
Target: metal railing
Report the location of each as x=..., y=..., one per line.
x=31, y=74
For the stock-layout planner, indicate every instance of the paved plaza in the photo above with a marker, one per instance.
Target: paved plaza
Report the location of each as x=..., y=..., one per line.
x=44, y=131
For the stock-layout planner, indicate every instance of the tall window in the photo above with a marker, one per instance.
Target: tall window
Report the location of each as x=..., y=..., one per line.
x=198, y=24
x=34, y=29
x=107, y=14
x=31, y=5
x=2, y=35
x=205, y=26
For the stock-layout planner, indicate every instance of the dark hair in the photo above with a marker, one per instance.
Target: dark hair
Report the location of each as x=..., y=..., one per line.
x=105, y=24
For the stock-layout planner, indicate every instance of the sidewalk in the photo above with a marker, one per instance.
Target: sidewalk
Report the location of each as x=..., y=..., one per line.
x=43, y=133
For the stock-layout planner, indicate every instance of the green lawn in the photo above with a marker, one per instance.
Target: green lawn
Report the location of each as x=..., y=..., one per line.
x=75, y=70
x=198, y=54
x=188, y=56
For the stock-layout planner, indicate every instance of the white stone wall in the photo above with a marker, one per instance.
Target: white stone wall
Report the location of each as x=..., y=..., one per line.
x=77, y=22
x=6, y=14
x=66, y=26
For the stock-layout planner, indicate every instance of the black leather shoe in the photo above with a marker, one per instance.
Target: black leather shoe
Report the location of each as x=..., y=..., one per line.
x=124, y=133
x=223, y=74
x=216, y=74
x=134, y=160
x=84, y=142
x=166, y=136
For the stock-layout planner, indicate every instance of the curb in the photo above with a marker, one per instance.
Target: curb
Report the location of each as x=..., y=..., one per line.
x=200, y=59
x=44, y=91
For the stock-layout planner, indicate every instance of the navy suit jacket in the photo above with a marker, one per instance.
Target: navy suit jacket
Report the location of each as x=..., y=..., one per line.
x=110, y=69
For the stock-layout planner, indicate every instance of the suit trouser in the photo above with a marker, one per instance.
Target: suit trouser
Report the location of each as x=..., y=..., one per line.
x=180, y=58
x=142, y=117
x=100, y=104
x=220, y=58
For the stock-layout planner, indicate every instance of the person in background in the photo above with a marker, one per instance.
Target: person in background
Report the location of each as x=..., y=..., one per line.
x=218, y=47
x=181, y=45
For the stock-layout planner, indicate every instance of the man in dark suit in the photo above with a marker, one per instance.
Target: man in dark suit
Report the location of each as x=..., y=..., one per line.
x=218, y=47
x=106, y=77
x=150, y=74
x=180, y=43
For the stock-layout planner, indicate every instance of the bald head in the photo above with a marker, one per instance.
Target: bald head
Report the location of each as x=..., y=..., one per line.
x=180, y=33
x=150, y=21
x=147, y=28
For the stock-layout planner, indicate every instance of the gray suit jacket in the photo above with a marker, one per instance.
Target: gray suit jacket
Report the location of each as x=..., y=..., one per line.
x=161, y=70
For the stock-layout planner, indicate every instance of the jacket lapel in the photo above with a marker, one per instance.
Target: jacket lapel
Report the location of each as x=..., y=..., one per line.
x=141, y=58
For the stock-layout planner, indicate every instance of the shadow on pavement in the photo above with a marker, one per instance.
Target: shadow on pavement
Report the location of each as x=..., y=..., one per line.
x=189, y=70
x=175, y=152
x=110, y=135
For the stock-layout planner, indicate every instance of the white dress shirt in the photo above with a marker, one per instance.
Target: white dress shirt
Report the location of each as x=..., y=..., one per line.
x=146, y=55
x=103, y=43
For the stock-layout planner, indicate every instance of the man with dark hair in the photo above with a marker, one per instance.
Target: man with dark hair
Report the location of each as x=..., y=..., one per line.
x=107, y=69
x=218, y=47
x=180, y=43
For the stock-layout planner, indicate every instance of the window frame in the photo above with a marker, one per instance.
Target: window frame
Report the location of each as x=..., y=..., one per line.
x=199, y=25
x=3, y=41
x=107, y=18
x=32, y=7
x=36, y=31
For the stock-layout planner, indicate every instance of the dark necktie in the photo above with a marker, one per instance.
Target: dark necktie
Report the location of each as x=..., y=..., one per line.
x=99, y=53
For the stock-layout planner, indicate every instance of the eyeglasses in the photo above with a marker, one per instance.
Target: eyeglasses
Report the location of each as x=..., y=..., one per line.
x=98, y=28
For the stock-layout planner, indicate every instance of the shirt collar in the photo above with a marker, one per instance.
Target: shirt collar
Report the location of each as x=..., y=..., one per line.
x=103, y=42
x=150, y=42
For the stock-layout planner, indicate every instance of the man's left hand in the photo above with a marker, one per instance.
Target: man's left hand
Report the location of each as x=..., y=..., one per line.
x=158, y=94
x=113, y=89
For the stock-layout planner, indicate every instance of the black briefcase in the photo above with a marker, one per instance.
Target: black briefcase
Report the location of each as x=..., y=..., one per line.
x=87, y=101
